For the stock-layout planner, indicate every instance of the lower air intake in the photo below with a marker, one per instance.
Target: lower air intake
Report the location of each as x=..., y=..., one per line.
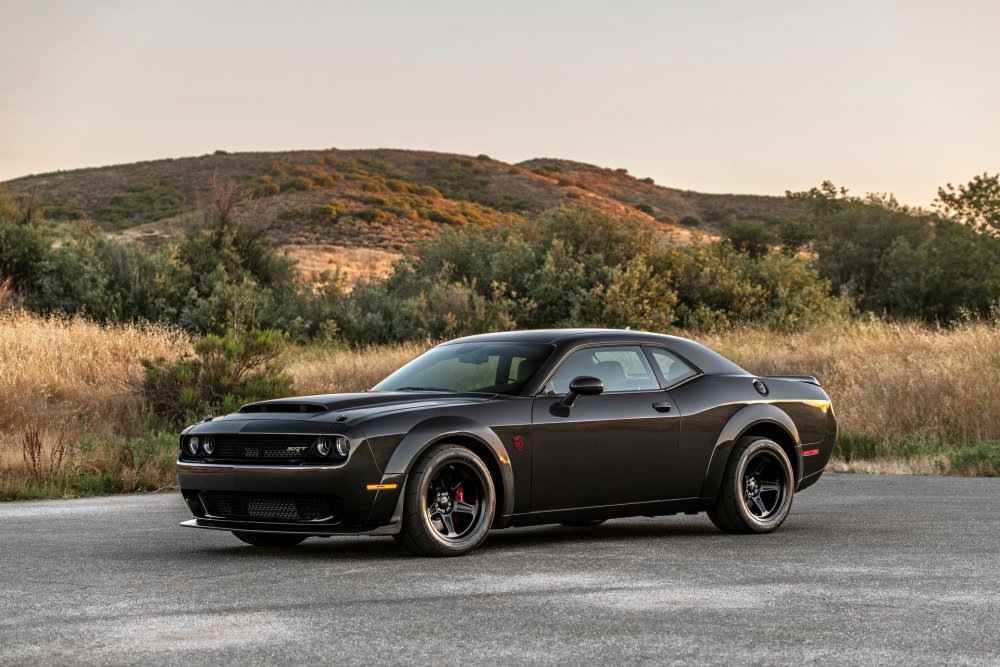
x=269, y=507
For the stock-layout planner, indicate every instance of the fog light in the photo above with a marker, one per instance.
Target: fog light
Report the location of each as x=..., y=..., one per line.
x=342, y=446
x=192, y=446
x=207, y=446
x=323, y=446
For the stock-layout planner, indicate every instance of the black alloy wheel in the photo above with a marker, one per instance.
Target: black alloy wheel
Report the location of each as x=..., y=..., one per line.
x=757, y=488
x=449, y=503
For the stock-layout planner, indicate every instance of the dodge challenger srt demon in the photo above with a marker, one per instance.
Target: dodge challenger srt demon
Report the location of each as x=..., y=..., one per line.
x=513, y=429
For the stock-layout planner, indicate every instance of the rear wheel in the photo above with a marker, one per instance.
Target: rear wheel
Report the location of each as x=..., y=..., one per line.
x=757, y=488
x=269, y=539
x=449, y=503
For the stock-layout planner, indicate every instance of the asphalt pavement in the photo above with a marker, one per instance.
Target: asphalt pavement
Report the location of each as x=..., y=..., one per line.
x=867, y=570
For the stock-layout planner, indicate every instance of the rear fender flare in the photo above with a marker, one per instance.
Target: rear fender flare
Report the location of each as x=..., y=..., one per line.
x=447, y=429
x=740, y=423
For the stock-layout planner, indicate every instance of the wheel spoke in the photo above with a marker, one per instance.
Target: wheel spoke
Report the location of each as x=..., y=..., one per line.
x=769, y=486
x=449, y=525
x=464, y=508
x=760, y=504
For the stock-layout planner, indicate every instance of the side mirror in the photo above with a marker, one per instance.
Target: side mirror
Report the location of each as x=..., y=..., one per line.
x=582, y=386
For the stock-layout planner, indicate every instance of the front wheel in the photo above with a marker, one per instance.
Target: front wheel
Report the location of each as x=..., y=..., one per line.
x=449, y=503
x=269, y=539
x=757, y=488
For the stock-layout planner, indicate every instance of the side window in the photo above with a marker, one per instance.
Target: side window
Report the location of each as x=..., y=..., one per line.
x=622, y=368
x=673, y=369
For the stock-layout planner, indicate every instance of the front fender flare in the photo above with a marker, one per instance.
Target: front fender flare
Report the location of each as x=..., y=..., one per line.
x=442, y=429
x=744, y=419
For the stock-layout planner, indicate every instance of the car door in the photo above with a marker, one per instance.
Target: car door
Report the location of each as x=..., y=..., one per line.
x=609, y=449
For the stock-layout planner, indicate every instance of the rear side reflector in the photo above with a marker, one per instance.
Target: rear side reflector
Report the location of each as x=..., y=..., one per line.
x=810, y=452
x=381, y=487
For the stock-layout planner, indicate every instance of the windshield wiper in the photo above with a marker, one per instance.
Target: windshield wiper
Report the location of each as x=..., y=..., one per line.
x=424, y=389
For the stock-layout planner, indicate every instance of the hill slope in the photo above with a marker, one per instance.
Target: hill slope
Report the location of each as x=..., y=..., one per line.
x=328, y=206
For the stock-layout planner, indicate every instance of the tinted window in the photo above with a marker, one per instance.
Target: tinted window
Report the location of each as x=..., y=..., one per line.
x=495, y=368
x=622, y=368
x=673, y=369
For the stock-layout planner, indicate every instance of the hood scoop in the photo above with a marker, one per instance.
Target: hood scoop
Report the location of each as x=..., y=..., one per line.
x=286, y=408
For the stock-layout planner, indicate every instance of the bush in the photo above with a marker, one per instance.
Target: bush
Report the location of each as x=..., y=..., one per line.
x=141, y=203
x=897, y=262
x=224, y=373
x=575, y=267
x=645, y=208
x=749, y=236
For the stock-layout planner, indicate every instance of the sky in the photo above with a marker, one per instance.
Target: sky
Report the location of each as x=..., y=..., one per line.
x=742, y=96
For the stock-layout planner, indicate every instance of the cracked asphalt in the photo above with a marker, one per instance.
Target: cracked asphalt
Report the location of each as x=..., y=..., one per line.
x=867, y=570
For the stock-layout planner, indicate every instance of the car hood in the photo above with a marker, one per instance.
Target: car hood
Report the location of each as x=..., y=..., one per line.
x=347, y=408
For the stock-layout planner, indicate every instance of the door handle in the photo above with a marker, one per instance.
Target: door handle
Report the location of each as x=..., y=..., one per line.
x=662, y=407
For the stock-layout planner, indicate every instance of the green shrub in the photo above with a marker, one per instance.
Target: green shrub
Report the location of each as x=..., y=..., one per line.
x=141, y=203
x=749, y=236
x=223, y=373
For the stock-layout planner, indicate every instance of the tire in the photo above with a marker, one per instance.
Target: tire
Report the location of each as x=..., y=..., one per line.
x=757, y=488
x=448, y=504
x=269, y=539
x=583, y=523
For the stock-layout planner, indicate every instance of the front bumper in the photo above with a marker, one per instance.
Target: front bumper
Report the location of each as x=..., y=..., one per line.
x=360, y=511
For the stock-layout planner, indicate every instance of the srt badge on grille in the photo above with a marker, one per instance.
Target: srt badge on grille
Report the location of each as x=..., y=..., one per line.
x=295, y=450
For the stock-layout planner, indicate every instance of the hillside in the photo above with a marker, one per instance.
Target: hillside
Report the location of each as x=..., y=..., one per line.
x=358, y=209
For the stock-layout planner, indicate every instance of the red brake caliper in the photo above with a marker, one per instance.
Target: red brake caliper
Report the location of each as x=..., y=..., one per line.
x=460, y=494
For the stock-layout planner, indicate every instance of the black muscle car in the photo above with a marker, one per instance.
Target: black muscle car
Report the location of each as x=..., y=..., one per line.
x=512, y=429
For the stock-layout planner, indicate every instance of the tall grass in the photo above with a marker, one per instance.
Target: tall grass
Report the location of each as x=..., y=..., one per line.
x=330, y=370
x=910, y=398
x=67, y=385
x=925, y=396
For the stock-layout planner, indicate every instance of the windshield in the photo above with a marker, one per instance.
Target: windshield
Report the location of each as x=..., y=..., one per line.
x=493, y=368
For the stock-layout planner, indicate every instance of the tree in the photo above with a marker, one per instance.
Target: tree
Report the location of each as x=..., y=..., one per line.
x=976, y=203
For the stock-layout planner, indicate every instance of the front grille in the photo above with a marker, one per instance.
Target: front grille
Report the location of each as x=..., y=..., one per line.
x=270, y=506
x=255, y=448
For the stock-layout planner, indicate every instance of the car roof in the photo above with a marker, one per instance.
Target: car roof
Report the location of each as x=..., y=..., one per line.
x=708, y=361
x=551, y=336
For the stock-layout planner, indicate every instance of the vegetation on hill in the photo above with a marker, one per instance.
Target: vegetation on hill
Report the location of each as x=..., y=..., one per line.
x=202, y=319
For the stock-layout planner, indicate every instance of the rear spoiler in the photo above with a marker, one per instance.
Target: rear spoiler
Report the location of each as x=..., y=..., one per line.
x=808, y=379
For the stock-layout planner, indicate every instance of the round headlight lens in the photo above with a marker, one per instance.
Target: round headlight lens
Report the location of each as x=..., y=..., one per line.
x=323, y=446
x=192, y=445
x=207, y=446
x=342, y=446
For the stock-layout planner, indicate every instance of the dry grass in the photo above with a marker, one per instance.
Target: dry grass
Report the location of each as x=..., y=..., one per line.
x=923, y=400
x=319, y=370
x=889, y=380
x=354, y=264
x=68, y=373
x=66, y=381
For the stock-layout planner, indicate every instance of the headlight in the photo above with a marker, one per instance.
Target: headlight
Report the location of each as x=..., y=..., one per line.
x=207, y=446
x=192, y=445
x=337, y=444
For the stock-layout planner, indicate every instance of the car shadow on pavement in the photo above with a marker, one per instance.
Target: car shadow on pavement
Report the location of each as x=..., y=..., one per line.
x=366, y=548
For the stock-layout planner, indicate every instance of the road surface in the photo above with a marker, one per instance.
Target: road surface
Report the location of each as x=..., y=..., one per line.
x=867, y=569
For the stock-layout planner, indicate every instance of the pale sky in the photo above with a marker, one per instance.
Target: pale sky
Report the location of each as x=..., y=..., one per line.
x=736, y=96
